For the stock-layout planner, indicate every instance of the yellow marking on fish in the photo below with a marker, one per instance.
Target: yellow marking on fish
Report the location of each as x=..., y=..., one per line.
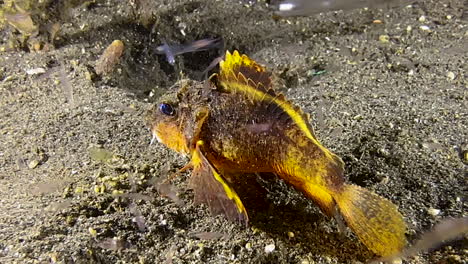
x=172, y=136
x=286, y=106
x=197, y=162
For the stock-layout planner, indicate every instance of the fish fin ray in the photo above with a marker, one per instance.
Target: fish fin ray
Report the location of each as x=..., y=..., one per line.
x=212, y=189
x=241, y=75
x=240, y=68
x=374, y=219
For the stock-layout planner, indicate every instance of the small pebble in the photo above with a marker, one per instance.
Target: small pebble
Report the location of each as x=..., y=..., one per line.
x=269, y=248
x=455, y=259
x=248, y=246
x=110, y=58
x=424, y=28
x=422, y=19
x=433, y=211
x=35, y=71
x=92, y=231
x=358, y=117
x=9, y=78
x=384, y=38
x=451, y=75
x=33, y=164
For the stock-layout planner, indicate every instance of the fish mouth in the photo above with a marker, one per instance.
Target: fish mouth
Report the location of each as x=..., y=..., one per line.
x=169, y=135
x=155, y=133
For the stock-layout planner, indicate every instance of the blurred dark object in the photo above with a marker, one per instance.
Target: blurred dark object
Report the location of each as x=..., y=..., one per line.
x=176, y=49
x=447, y=230
x=309, y=7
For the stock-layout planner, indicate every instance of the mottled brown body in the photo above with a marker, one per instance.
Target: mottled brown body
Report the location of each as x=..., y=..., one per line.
x=246, y=137
x=235, y=124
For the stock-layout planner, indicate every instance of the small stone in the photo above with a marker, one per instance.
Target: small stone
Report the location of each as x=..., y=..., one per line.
x=269, y=248
x=451, y=75
x=290, y=234
x=384, y=38
x=454, y=259
x=410, y=72
x=117, y=192
x=35, y=71
x=255, y=230
x=9, y=78
x=92, y=231
x=70, y=220
x=397, y=261
x=425, y=28
x=422, y=19
x=433, y=211
x=88, y=76
x=358, y=117
x=100, y=188
x=33, y=164
x=409, y=28
x=384, y=152
x=449, y=17
x=248, y=246
x=54, y=257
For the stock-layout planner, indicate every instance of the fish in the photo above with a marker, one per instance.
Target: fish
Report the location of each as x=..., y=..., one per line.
x=236, y=124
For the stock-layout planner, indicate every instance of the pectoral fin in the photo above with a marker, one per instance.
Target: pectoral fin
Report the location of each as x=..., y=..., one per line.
x=212, y=189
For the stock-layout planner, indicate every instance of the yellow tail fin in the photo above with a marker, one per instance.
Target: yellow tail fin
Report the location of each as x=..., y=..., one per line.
x=375, y=220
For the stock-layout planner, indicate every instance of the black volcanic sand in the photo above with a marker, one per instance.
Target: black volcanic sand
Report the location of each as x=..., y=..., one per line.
x=387, y=91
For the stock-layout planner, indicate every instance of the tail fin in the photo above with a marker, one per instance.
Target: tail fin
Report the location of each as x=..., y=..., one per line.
x=375, y=220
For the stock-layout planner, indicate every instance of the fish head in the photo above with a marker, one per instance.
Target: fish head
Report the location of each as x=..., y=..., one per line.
x=171, y=120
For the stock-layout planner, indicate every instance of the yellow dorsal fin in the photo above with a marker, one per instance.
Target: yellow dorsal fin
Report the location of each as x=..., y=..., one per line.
x=241, y=69
x=241, y=75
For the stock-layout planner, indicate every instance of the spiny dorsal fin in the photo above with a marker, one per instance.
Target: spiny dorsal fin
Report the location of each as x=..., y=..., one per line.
x=241, y=75
x=240, y=68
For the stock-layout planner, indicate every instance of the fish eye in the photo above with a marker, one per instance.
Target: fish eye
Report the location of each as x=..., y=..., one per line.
x=166, y=109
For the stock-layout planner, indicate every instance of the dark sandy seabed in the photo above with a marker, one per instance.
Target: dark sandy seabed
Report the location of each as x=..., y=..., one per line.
x=390, y=98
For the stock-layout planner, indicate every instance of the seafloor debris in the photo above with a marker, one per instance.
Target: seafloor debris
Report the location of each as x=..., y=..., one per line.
x=138, y=218
x=208, y=235
x=22, y=22
x=114, y=244
x=110, y=58
x=169, y=191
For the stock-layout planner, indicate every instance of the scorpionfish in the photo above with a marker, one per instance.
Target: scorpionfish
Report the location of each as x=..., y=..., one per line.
x=235, y=124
